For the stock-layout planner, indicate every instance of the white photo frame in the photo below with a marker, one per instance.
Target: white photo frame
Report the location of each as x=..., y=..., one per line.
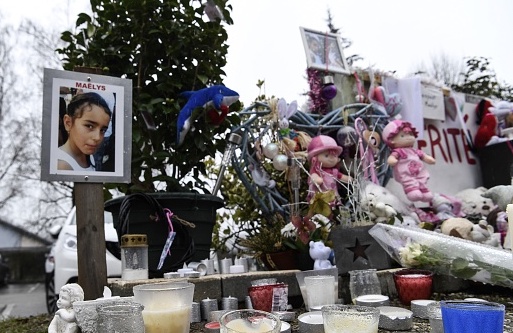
x=324, y=51
x=112, y=158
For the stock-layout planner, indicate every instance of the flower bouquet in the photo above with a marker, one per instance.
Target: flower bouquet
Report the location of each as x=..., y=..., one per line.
x=418, y=248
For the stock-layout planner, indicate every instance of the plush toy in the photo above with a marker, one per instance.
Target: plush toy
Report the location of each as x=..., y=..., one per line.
x=478, y=232
x=323, y=155
x=473, y=204
x=406, y=161
x=484, y=233
x=501, y=195
x=458, y=227
x=378, y=211
x=488, y=132
x=383, y=195
x=320, y=254
x=446, y=206
x=219, y=96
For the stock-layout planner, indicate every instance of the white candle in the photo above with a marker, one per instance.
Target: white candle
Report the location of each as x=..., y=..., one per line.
x=236, y=269
x=184, y=270
x=509, y=212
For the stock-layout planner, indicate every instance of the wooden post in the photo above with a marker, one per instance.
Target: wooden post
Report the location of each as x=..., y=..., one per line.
x=92, y=265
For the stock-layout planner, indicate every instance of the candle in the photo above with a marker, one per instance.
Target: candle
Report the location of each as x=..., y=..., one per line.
x=229, y=303
x=209, y=263
x=509, y=212
x=236, y=269
x=225, y=265
x=184, y=270
x=208, y=305
x=195, y=312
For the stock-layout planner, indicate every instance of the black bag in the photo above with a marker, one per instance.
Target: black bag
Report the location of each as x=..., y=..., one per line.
x=142, y=214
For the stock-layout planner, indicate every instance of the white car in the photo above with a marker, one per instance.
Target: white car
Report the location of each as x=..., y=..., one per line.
x=61, y=265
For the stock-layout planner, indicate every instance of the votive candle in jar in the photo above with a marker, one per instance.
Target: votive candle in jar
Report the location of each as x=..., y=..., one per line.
x=134, y=257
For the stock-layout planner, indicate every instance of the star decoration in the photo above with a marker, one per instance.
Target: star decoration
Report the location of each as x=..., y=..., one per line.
x=358, y=250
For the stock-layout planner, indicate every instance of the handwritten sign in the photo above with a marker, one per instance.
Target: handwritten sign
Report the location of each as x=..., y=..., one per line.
x=433, y=102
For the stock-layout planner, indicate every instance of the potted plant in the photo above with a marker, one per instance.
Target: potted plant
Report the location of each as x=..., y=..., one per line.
x=165, y=48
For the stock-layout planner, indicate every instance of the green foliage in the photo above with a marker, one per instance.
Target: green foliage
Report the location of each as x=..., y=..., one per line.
x=165, y=48
x=479, y=79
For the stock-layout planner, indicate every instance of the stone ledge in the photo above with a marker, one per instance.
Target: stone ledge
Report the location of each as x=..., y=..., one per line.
x=218, y=286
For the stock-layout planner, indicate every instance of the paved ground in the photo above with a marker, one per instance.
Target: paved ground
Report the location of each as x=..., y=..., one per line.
x=22, y=300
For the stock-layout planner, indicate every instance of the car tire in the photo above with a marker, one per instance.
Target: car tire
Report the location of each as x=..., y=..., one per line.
x=51, y=296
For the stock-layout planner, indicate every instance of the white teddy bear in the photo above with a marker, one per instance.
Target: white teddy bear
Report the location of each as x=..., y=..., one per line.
x=320, y=254
x=378, y=211
x=474, y=205
x=501, y=195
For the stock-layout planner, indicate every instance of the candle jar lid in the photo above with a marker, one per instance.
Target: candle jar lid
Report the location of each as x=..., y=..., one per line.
x=134, y=240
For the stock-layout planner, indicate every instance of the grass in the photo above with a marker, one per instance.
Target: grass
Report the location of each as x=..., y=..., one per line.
x=32, y=324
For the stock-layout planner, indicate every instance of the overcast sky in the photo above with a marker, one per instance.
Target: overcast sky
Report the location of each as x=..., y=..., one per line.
x=394, y=35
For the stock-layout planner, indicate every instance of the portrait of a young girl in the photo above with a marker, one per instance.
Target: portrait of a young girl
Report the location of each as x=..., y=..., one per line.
x=85, y=122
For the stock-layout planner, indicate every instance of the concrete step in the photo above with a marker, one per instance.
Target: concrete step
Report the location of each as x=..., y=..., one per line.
x=218, y=286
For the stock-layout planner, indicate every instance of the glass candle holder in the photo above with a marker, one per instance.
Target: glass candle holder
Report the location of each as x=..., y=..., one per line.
x=249, y=321
x=472, y=317
x=413, y=284
x=120, y=317
x=134, y=257
x=363, y=282
x=350, y=319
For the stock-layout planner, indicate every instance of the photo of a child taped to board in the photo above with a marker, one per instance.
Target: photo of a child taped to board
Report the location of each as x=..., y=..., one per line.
x=86, y=128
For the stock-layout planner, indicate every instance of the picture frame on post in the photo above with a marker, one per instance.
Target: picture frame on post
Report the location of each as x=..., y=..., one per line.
x=324, y=51
x=87, y=127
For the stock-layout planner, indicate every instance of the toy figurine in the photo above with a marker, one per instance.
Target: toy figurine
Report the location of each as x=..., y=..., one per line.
x=406, y=161
x=323, y=155
x=64, y=320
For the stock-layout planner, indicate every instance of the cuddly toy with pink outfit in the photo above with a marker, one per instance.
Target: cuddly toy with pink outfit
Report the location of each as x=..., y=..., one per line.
x=407, y=162
x=324, y=158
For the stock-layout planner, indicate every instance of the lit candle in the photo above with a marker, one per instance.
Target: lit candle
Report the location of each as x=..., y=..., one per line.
x=509, y=212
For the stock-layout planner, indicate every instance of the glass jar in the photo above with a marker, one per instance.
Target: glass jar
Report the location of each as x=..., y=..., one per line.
x=363, y=282
x=134, y=257
x=120, y=317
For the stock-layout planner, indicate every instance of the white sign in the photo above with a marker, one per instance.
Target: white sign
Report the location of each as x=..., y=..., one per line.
x=433, y=102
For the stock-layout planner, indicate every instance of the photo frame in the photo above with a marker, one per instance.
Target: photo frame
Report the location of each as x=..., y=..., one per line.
x=324, y=51
x=87, y=127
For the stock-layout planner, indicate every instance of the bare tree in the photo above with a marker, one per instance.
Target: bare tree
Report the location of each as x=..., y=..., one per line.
x=443, y=68
x=24, y=199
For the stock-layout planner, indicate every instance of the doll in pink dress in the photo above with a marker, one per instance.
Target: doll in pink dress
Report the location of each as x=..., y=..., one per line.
x=407, y=162
x=323, y=155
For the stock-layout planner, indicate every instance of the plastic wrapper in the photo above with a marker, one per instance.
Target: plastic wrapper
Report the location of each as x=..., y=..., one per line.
x=413, y=247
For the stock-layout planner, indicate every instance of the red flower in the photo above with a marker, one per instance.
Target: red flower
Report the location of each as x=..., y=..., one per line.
x=304, y=227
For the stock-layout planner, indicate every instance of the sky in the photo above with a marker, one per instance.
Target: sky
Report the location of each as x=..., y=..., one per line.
x=394, y=35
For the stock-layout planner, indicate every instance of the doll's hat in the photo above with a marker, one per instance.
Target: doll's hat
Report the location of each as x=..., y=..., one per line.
x=322, y=143
x=394, y=127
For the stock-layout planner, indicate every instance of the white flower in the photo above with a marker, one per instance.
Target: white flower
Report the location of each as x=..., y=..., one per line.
x=288, y=230
x=409, y=253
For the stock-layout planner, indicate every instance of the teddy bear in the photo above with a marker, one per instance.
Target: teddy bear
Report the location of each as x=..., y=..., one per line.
x=320, y=254
x=501, y=195
x=405, y=209
x=378, y=211
x=473, y=204
x=464, y=228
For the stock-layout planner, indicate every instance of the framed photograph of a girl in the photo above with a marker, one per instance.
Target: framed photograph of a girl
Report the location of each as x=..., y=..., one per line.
x=87, y=121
